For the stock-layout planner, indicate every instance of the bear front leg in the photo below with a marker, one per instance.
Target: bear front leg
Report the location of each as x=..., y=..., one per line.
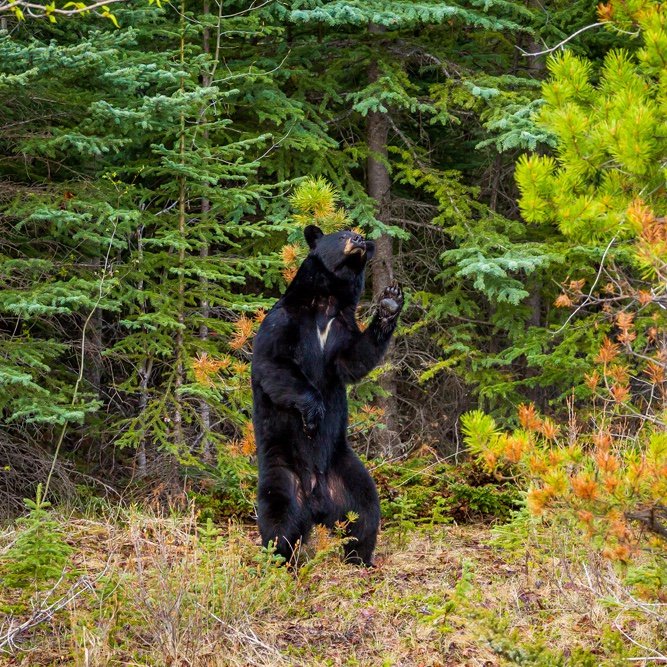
x=284, y=383
x=312, y=412
x=367, y=349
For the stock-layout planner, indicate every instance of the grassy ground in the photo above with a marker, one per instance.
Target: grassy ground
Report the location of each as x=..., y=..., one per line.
x=147, y=590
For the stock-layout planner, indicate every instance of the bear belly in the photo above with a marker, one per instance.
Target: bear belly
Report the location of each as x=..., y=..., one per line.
x=280, y=434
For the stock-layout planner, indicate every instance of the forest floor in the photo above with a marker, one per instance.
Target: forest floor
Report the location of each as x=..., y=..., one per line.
x=147, y=590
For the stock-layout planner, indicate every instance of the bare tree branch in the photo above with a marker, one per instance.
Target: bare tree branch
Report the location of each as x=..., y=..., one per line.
x=12, y=631
x=565, y=41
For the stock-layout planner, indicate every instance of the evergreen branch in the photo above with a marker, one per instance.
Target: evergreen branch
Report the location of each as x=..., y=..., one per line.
x=243, y=75
x=221, y=16
x=252, y=8
x=415, y=223
x=407, y=142
x=29, y=6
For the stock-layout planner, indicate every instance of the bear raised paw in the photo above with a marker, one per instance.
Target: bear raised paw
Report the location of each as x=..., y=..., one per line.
x=306, y=350
x=391, y=304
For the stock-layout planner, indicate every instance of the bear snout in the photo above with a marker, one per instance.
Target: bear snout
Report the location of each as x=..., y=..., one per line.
x=355, y=244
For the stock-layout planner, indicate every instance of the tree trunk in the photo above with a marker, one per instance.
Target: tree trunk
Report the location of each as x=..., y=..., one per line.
x=494, y=182
x=93, y=365
x=536, y=67
x=180, y=291
x=536, y=64
x=144, y=378
x=204, y=407
x=144, y=371
x=534, y=301
x=378, y=186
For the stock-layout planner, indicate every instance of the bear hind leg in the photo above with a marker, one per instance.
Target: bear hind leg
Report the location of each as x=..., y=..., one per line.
x=282, y=514
x=359, y=550
x=353, y=490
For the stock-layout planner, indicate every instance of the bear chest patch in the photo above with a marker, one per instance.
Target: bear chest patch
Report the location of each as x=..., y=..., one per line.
x=323, y=334
x=326, y=313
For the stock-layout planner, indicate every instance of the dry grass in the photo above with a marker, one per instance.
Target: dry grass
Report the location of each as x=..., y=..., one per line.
x=164, y=591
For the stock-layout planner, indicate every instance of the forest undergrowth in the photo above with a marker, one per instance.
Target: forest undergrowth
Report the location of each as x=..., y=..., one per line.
x=128, y=586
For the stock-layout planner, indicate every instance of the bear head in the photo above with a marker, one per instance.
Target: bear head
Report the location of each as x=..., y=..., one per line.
x=344, y=253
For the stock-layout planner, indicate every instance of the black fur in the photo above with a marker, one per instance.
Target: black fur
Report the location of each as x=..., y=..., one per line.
x=307, y=471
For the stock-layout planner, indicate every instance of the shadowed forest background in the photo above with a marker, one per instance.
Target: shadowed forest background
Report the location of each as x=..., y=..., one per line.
x=158, y=163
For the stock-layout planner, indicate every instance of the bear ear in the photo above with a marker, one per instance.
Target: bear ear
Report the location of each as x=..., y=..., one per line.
x=370, y=250
x=312, y=234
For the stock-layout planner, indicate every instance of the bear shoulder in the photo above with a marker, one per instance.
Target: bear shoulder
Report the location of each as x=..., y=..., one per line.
x=277, y=324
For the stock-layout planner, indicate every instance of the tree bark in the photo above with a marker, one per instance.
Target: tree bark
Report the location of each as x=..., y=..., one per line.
x=144, y=371
x=180, y=291
x=536, y=69
x=536, y=64
x=204, y=407
x=93, y=365
x=534, y=301
x=378, y=186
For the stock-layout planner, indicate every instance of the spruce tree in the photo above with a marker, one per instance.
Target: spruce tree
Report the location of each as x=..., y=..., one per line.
x=111, y=210
x=373, y=97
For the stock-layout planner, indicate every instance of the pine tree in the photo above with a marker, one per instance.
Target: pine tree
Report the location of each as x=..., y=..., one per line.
x=599, y=202
x=603, y=188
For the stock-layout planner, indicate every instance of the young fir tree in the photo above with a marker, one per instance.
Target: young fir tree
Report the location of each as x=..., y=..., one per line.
x=133, y=225
x=62, y=230
x=192, y=255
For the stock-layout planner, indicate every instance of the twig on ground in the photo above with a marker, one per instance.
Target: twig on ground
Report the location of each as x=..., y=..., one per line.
x=10, y=632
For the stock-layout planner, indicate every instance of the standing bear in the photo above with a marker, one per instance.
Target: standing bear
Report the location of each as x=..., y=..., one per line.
x=306, y=350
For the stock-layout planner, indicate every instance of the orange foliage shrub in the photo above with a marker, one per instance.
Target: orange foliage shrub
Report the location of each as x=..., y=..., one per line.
x=608, y=468
x=613, y=481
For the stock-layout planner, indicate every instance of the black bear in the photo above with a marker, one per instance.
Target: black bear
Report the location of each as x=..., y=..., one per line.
x=306, y=350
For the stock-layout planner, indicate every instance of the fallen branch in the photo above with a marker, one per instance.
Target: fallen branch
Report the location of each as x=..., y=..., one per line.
x=10, y=632
x=651, y=518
